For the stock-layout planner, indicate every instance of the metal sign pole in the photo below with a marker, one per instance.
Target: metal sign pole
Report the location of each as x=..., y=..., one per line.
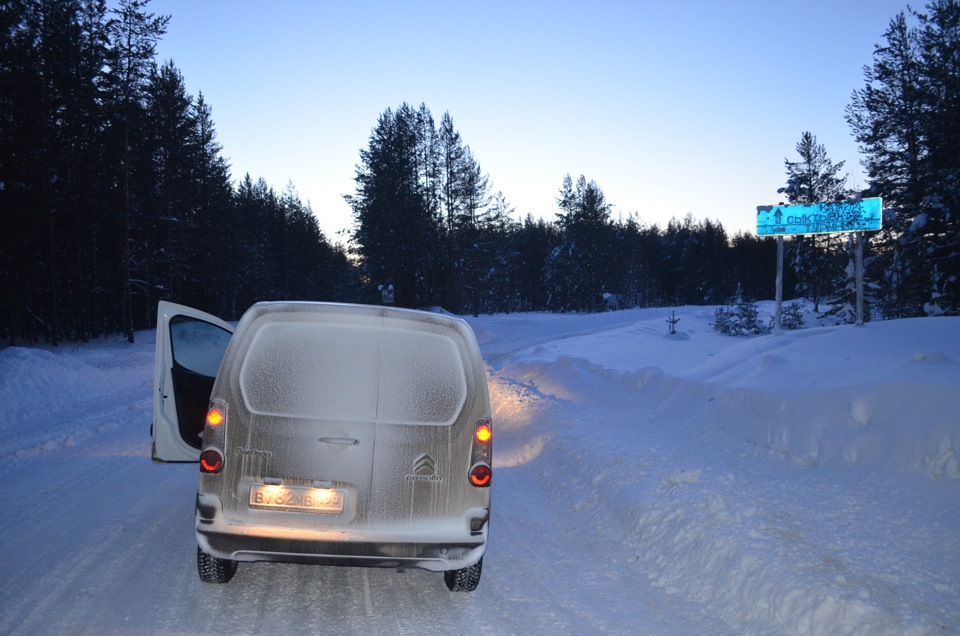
x=777, y=324
x=859, y=267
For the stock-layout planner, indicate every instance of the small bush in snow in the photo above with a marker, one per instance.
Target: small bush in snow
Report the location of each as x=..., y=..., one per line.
x=843, y=313
x=791, y=316
x=672, y=321
x=721, y=319
x=739, y=321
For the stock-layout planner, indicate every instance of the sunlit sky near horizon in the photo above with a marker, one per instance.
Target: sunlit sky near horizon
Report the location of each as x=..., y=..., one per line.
x=672, y=107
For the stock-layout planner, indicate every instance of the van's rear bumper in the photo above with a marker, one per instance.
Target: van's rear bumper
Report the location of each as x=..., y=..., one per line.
x=437, y=552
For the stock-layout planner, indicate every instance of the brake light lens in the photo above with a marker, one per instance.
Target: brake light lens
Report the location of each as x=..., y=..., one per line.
x=211, y=461
x=480, y=475
x=215, y=416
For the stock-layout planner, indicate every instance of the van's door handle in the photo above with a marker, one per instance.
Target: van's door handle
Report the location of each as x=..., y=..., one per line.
x=343, y=441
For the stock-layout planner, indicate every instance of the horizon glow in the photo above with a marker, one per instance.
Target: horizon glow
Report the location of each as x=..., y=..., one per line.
x=672, y=108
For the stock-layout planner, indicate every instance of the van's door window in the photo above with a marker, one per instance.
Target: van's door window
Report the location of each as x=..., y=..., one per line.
x=197, y=345
x=197, y=348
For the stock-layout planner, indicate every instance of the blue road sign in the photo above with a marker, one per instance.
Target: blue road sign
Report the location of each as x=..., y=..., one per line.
x=852, y=215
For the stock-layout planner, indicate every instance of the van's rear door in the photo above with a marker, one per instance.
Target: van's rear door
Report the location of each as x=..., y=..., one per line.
x=380, y=404
x=190, y=347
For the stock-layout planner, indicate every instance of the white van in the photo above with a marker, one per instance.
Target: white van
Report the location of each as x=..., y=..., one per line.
x=329, y=433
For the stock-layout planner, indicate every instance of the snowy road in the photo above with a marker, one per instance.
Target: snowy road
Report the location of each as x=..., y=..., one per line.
x=620, y=506
x=99, y=540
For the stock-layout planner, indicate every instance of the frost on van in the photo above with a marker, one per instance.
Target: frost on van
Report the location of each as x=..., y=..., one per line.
x=198, y=345
x=422, y=380
x=353, y=373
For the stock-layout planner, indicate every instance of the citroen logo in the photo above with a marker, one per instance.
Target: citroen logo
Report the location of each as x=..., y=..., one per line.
x=424, y=465
x=424, y=469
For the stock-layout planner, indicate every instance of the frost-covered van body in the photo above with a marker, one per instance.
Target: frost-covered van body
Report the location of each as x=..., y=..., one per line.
x=345, y=435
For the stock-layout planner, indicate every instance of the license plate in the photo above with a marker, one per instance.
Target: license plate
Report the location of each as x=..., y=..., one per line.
x=296, y=498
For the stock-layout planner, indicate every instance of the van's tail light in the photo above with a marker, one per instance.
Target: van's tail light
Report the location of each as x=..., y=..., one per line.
x=211, y=461
x=481, y=457
x=214, y=438
x=215, y=416
x=480, y=475
x=483, y=433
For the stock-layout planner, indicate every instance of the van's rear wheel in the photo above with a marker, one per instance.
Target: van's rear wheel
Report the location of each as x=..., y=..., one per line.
x=465, y=579
x=214, y=570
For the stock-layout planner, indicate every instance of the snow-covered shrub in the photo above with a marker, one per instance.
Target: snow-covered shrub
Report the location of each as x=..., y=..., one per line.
x=739, y=321
x=839, y=314
x=791, y=316
x=721, y=319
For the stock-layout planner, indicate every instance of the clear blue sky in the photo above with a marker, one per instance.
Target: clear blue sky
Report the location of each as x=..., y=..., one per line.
x=671, y=106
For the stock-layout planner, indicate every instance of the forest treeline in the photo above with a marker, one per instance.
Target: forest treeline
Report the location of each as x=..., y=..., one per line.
x=114, y=195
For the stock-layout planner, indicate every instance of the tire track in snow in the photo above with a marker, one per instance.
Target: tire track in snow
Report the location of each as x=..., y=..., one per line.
x=367, y=595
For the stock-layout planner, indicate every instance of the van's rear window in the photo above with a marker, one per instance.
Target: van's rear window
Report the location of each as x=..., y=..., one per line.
x=353, y=373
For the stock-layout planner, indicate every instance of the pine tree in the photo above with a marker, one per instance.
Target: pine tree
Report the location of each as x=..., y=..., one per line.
x=905, y=119
x=580, y=268
x=498, y=270
x=465, y=205
x=420, y=211
x=939, y=44
x=51, y=66
x=530, y=246
x=105, y=158
x=708, y=268
x=169, y=215
x=752, y=262
x=90, y=257
x=678, y=252
x=631, y=274
x=392, y=215
x=134, y=34
x=37, y=44
x=813, y=179
x=261, y=227
x=215, y=242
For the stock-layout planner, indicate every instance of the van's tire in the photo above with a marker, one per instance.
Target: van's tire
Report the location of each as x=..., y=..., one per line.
x=464, y=580
x=214, y=570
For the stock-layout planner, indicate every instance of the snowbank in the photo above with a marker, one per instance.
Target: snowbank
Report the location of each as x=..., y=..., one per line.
x=885, y=395
x=805, y=483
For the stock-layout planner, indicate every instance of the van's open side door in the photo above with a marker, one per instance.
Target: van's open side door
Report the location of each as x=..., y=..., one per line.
x=190, y=346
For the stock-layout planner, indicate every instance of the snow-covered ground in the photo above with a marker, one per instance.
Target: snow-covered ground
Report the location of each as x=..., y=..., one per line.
x=806, y=483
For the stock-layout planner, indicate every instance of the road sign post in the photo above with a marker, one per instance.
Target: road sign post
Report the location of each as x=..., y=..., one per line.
x=859, y=267
x=777, y=324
